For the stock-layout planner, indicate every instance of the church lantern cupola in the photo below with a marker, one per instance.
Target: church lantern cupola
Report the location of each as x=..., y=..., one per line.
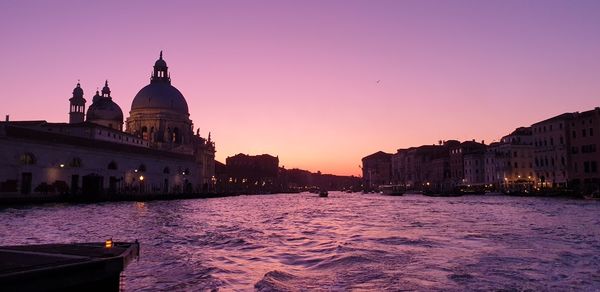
x=77, y=106
x=106, y=90
x=160, y=73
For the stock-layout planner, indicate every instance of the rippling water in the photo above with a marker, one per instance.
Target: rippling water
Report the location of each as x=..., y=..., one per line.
x=298, y=242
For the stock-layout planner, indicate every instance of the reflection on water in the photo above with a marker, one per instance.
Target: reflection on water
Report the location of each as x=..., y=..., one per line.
x=347, y=241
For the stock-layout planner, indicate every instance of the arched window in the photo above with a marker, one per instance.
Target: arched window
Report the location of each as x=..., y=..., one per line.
x=112, y=165
x=27, y=159
x=176, y=138
x=144, y=133
x=75, y=162
x=166, y=170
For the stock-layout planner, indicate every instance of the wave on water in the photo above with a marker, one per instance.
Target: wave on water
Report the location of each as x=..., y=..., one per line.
x=277, y=281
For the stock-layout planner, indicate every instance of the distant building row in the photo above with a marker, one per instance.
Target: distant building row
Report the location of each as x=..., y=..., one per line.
x=250, y=174
x=560, y=152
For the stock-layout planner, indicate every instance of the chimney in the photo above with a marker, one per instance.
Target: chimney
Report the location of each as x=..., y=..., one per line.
x=7, y=118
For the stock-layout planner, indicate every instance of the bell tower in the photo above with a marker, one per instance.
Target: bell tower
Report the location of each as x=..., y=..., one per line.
x=77, y=108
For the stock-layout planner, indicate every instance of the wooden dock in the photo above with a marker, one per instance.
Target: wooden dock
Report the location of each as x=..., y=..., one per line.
x=65, y=267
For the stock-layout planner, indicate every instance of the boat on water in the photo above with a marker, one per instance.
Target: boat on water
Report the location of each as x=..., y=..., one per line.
x=323, y=194
x=392, y=190
x=592, y=196
x=95, y=266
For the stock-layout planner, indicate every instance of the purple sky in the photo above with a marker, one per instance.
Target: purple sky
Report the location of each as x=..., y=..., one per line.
x=298, y=79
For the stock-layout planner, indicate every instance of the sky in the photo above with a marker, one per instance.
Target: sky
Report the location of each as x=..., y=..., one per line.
x=320, y=84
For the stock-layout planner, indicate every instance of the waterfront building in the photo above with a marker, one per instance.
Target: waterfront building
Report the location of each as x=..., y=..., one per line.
x=251, y=173
x=551, y=141
x=399, y=167
x=93, y=155
x=474, y=169
x=442, y=179
x=518, y=152
x=377, y=170
x=584, y=145
x=509, y=163
x=426, y=167
x=457, y=162
x=493, y=162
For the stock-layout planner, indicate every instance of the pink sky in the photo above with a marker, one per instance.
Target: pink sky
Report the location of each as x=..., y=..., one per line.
x=298, y=79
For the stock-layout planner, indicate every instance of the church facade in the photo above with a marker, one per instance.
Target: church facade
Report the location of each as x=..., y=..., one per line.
x=156, y=152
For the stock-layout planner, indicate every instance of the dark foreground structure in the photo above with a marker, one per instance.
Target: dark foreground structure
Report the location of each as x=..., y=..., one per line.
x=65, y=267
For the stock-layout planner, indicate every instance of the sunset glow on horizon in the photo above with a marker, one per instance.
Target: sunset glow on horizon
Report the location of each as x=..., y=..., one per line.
x=320, y=84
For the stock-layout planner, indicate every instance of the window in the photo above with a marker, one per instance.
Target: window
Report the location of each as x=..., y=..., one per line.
x=574, y=134
x=591, y=132
x=141, y=168
x=27, y=159
x=593, y=166
x=562, y=141
x=112, y=165
x=166, y=170
x=586, y=167
x=582, y=132
x=588, y=148
x=75, y=162
x=144, y=133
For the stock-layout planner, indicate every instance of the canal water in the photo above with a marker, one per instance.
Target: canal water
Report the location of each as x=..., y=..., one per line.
x=300, y=242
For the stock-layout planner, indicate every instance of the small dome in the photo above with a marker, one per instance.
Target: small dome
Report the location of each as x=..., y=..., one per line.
x=160, y=63
x=160, y=96
x=104, y=109
x=77, y=91
x=96, y=97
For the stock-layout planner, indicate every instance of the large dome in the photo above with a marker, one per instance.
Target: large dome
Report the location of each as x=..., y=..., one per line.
x=160, y=96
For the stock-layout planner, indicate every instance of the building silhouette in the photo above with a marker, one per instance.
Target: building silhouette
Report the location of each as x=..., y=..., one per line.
x=157, y=153
x=561, y=153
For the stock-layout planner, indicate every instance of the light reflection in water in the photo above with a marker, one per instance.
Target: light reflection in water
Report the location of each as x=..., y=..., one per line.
x=347, y=241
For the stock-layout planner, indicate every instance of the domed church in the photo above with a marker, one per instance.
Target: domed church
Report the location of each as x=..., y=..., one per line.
x=157, y=153
x=159, y=112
